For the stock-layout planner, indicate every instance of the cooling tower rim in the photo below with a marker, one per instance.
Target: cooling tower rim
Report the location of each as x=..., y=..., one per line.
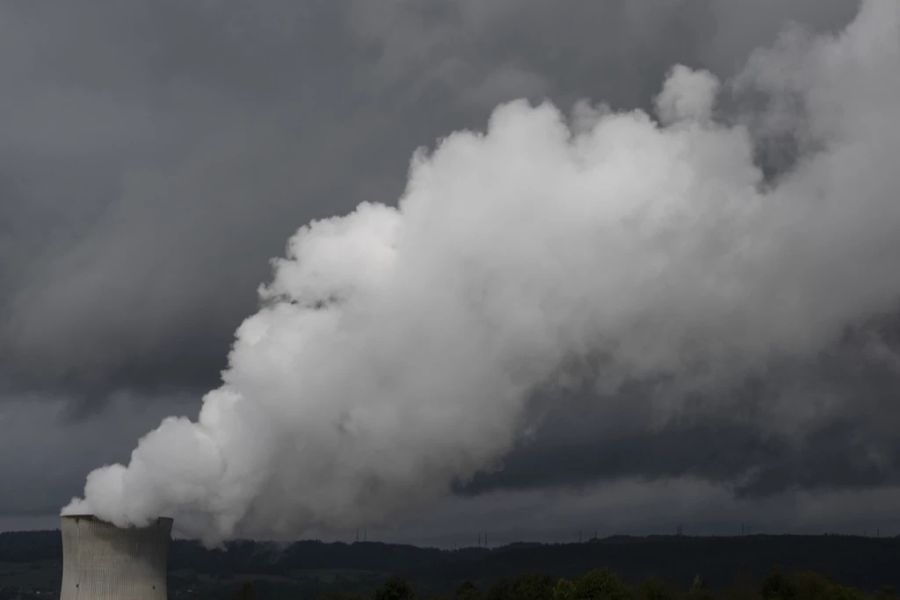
x=96, y=519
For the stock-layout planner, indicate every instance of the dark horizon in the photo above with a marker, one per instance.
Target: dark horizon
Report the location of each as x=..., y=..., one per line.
x=563, y=538
x=867, y=563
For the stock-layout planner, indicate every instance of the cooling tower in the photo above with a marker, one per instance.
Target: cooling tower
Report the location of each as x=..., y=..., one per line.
x=105, y=562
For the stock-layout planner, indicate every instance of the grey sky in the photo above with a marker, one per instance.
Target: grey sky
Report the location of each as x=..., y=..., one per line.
x=155, y=155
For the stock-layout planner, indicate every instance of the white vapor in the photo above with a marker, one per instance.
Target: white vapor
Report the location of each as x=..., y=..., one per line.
x=397, y=349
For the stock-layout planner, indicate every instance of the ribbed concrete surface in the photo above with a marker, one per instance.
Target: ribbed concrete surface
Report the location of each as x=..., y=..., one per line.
x=104, y=562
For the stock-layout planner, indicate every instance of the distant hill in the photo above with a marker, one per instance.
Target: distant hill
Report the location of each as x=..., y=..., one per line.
x=308, y=568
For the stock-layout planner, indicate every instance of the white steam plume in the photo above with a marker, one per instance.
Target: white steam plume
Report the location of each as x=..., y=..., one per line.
x=396, y=348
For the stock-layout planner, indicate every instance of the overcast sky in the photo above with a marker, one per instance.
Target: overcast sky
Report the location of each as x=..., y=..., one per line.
x=154, y=156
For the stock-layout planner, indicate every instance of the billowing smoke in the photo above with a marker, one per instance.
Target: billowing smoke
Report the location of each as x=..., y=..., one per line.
x=397, y=349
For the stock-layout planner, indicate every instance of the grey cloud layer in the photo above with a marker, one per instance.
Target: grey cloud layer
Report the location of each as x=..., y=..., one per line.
x=155, y=155
x=817, y=426
x=44, y=453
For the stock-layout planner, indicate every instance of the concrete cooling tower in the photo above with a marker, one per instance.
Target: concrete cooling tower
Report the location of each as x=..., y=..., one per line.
x=105, y=562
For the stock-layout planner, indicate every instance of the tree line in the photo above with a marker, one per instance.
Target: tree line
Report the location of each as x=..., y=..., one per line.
x=603, y=584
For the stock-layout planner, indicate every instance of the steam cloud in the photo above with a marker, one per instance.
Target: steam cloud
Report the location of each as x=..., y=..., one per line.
x=397, y=349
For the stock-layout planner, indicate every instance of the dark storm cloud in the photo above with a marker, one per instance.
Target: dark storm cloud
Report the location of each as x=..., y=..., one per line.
x=828, y=423
x=154, y=156
x=44, y=453
x=161, y=153
x=748, y=459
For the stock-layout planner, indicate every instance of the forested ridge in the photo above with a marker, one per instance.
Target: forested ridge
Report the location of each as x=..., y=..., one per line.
x=30, y=566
